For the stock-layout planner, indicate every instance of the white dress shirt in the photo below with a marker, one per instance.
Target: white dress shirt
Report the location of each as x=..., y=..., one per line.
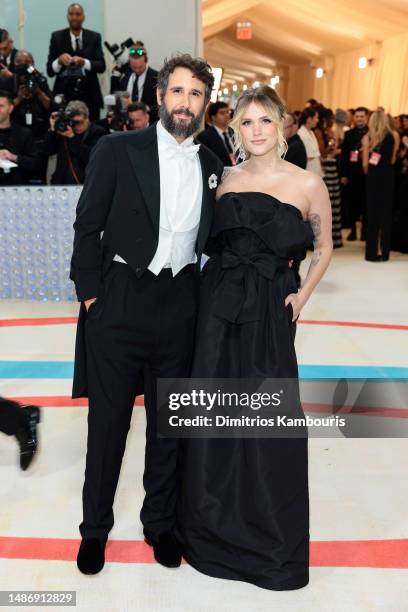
x=140, y=83
x=312, y=150
x=56, y=66
x=181, y=191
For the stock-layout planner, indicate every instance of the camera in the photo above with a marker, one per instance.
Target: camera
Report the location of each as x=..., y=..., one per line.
x=72, y=71
x=73, y=81
x=28, y=76
x=117, y=112
x=119, y=50
x=63, y=121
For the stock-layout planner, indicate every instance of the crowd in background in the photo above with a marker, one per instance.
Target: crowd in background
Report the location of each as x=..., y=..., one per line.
x=362, y=156
x=47, y=136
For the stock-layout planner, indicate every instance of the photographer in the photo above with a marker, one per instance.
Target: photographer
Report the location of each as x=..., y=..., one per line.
x=72, y=137
x=75, y=57
x=138, y=79
x=138, y=116
x=116, y=118
x=16, y=146
x=32, y=96
x=32, y=102
x=122, y=116
x=7, y=54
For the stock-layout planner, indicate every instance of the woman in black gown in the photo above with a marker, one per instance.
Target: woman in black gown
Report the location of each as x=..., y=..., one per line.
x=243, y=510
x=378, y=149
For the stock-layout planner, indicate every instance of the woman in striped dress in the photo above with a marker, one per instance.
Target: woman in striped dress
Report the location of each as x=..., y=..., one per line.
x=328, y=149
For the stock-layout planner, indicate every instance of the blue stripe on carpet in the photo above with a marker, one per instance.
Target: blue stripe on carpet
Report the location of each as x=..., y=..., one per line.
x=36, y=369
x=64, y=369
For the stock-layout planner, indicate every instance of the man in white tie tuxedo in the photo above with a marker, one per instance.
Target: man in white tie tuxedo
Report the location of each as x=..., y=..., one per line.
x=151, y=195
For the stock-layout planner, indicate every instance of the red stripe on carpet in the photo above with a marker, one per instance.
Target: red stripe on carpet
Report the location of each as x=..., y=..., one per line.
x=62, y=401
x=72, y=320
x=61, y=549
x=378, y=411
x=41, y=321
x=354, y=324
x=390, y=554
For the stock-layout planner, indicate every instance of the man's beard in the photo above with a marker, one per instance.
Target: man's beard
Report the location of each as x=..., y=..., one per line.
x=180, y=128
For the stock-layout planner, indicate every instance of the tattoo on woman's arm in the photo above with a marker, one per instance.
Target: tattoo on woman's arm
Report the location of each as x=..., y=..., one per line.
x=315, y=258
x=225, y=172
x=315, y=224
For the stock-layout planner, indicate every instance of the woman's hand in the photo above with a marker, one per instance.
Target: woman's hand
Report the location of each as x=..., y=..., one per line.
x=297, y=304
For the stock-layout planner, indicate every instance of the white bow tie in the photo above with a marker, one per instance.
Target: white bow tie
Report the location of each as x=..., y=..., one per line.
x=186, y=152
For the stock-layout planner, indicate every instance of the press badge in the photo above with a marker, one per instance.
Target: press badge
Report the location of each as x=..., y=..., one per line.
x=29, y=119
x=354, y=156
x=374, y=158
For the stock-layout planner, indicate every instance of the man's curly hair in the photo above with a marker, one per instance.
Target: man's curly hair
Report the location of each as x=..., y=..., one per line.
x=199, y=67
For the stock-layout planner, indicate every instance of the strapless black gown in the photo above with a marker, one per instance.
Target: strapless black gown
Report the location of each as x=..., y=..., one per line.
x=243, y=511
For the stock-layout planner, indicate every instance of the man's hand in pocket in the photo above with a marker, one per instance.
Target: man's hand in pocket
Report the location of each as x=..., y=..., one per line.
x=88, y=303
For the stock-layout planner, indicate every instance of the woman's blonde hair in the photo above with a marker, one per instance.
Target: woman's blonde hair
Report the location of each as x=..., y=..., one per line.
x=275, y=109
x=378, y=126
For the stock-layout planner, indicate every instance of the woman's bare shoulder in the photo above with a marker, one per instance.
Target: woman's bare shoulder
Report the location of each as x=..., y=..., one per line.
x=303, y=177
x=231, y=172
x=231, y=179
x=309, y=183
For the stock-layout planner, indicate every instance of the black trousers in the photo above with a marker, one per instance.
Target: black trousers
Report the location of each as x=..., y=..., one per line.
x=11, y=417
x=137, y=326
x=355, y=200
x=380, y=187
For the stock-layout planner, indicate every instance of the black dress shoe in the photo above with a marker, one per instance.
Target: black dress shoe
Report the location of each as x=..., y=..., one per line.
x=91, y=555
x=27, y=435
x=166, y=549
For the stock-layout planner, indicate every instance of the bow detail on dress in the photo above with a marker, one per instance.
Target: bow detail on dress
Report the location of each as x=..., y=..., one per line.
x=236, y=296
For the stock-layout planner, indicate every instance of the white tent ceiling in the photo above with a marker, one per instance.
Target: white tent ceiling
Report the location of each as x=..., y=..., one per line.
x=294, y=32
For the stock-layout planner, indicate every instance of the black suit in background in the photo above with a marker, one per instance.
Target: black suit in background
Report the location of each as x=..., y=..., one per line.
x=149, y=89
x=19, y=141
x=91, y=49
x=9, y=63
x=296, y=153
x=354, y=193
x=380, y=193
x=141, y=325
x=72, y=154
x=211, y=139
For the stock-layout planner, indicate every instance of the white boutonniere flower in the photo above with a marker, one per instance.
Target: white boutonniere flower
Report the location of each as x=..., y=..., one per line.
x=213, y=181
